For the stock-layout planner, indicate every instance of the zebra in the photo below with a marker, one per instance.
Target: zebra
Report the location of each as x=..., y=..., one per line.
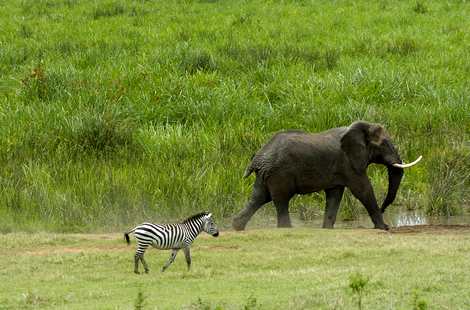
x=170, y=236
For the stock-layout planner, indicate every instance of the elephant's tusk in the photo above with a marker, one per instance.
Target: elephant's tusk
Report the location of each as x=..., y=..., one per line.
x=408, y=165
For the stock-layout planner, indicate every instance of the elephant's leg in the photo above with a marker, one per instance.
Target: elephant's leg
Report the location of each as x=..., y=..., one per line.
x=282, y=208
x=259, y=197
x=333, y=199
x=363, y=191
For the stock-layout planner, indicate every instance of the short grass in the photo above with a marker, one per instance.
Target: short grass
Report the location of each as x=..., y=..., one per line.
x=257, y=269
x=115, y=111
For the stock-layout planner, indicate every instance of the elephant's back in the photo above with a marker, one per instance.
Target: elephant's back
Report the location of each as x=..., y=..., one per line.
x=295, y=150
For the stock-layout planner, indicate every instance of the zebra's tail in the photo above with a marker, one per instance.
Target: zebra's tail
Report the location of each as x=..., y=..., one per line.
x=126, y=236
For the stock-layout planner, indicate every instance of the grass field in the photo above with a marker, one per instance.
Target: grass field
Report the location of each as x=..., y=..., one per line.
x=113, y=112
x=410, y=268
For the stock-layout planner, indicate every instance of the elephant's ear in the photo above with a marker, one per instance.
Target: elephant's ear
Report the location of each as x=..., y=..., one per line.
x=375, y=134
x=354, y=144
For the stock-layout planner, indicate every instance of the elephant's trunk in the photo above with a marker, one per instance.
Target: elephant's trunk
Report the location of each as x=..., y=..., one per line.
x=394, y=179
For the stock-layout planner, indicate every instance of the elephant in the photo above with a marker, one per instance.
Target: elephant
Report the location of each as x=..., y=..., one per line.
x=296, y=162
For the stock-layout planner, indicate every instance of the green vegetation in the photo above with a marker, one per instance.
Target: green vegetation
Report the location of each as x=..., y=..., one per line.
x=257, y=269
x=357, y=284
x=117, y=111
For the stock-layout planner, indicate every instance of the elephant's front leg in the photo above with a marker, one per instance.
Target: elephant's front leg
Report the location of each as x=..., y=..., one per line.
x=283, y=218
x=363, y=191
x=333, y=200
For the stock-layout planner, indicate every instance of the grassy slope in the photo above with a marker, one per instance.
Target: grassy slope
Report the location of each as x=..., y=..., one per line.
x=298, y=268
x=115, y=111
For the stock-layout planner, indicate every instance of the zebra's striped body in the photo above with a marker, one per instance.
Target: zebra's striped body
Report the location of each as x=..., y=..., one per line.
x=171, y=237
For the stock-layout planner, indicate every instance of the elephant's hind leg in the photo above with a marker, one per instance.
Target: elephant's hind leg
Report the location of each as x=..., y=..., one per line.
x=282, y=208
x=333, y=200
x=259, y=197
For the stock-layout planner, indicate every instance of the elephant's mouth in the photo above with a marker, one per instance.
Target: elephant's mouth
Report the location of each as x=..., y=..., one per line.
x=403, y=165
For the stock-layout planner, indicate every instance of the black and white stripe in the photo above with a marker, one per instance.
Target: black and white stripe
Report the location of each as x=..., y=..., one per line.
x=170, y=237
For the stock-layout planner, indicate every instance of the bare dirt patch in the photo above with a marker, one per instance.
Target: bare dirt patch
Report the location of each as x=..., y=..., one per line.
x=220, y=247
x=60, y=250
x=431, y=229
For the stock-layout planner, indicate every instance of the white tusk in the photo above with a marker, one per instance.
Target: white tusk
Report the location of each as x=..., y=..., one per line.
x=408, y=165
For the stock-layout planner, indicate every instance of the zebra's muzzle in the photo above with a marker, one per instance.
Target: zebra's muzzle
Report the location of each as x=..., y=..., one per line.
x=216, y=234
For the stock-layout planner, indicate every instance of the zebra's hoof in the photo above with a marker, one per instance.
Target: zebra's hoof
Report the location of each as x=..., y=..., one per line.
x=136, y=272
x=147, y=271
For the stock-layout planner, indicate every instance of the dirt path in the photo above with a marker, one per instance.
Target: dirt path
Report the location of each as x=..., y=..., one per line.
x=113, y=242
x=431, y=229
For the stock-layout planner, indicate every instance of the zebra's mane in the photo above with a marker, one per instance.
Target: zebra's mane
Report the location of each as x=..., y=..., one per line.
x=196, y=216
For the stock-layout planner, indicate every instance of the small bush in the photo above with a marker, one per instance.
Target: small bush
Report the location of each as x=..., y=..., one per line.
x=357, y=284
x=203, y=305
x=43, y=85
x=418, y=303
x=251, y=55
x=31, y=299
x=99, y=133
x=36, y=84
x=301, y=54
x=420, y=8
x=25, y=31
x=108, y=10
x=197, y=60
x=402, y=46
x=251, y=304
x=139, y=303
x=331, y=58
x=323, y=59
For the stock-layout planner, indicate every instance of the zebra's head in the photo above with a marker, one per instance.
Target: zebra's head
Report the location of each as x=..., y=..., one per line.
x=209, y=226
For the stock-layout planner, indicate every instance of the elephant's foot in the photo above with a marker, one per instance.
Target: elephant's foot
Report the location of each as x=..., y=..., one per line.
x=284, y=223
x=329, y=222
x=381, y=226
x=239, y=223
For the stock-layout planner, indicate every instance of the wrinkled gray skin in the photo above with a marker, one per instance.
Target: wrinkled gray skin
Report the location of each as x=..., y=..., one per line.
x=296, y=162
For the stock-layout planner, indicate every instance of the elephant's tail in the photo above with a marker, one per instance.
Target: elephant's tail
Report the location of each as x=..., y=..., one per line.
x=248, y=171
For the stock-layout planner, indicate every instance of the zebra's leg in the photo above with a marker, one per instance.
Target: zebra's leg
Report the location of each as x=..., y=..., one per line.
x=171, y=259
x=136, y=263
x=187, y=255
x=146, y=267
x=139, y=255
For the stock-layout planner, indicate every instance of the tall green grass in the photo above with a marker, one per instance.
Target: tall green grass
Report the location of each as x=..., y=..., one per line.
x=114, y=111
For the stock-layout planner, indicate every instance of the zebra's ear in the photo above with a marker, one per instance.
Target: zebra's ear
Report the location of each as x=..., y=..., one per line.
x=209, y=215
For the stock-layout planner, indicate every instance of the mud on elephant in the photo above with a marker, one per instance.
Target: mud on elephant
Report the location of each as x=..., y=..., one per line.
x=296, y=162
